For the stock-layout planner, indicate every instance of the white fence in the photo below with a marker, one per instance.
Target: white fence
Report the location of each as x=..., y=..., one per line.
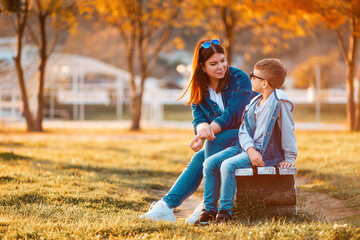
x=155, y=99
x=325, y=96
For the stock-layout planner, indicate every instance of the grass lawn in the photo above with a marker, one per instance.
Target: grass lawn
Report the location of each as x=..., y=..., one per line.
x=93, y=184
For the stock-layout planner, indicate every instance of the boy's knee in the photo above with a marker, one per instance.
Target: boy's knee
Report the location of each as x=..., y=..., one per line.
x=227, y=168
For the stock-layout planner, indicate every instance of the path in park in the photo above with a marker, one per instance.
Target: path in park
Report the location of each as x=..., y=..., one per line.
x=320, y=204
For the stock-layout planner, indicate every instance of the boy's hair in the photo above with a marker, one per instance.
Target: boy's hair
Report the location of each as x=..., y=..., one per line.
x=274, y=70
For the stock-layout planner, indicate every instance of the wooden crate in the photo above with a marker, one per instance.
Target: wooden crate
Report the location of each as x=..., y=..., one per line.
x=273, y=186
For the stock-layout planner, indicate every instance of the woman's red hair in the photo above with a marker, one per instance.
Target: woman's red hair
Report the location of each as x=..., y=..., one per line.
x=199, y=80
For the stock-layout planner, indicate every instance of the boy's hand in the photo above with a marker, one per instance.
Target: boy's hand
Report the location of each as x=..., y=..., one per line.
x=196, y=143
x=255, y=157
x=204, y=131
x=286, y=164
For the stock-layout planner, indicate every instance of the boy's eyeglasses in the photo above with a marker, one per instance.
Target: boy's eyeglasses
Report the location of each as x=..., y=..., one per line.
x=208, y=43
x=252, y=75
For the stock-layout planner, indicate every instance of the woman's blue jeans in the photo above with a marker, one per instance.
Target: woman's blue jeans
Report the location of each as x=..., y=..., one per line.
x=222, y=166
x=191, y=177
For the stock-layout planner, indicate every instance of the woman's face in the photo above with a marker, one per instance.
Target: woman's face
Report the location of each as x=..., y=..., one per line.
x=216, y=66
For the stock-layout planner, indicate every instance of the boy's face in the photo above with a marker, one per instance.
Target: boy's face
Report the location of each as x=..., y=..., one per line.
x=258, y=80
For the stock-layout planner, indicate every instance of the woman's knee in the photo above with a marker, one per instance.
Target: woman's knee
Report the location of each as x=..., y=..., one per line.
x=209, y=165
x=197, y=161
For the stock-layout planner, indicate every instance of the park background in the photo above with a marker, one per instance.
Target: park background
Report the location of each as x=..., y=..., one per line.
x=92, y=132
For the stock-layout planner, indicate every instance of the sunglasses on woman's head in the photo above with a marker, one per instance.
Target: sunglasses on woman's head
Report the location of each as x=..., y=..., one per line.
x=208, y=43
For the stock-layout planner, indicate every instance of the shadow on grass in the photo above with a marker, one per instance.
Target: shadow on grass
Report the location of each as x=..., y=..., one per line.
x=12, y=144
x=252, y=212
x=26, y=198
x=122, y=171
x=99, y=147
x=135, y=178
x=117, y=149
x=6, y=179
x=101, y=203
x=8, y=156
x=105, y=202
x=17, y=178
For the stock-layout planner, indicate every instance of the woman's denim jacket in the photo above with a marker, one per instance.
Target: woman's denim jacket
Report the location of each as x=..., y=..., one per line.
x=279, y=141
x=236, y=95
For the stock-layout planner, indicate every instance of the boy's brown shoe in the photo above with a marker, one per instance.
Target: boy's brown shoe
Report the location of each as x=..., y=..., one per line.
x=222, y=217
x=206, y=217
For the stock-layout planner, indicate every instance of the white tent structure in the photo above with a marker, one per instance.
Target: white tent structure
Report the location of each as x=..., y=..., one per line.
x=67, y=83
x=77, y=91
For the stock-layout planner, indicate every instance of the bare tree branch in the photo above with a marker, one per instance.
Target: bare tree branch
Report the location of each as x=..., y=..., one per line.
x=13, y=24
x=54, y=41
x=155, y=54
x=34, y=39
x=342, y=46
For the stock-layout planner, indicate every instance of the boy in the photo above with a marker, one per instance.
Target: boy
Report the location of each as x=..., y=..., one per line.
x=266, y=137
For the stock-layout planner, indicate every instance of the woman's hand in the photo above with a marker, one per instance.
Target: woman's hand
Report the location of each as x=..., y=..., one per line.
x=196, y=144
x=286, y=164
x=204, y=131
x=255, y=157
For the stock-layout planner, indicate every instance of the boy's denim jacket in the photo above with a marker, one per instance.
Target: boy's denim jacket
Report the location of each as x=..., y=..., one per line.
x=279, y=141
x=236, y=95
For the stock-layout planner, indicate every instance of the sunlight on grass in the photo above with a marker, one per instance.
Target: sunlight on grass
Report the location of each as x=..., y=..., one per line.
x=94, y=184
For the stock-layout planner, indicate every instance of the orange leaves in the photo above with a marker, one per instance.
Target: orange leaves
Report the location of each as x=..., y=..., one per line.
x=127, y=14
x=177, y=43
x=326, y=13
x=356, y=29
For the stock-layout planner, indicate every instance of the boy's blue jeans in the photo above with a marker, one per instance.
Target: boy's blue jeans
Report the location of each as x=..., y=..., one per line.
x=191, y=177
x=222, y=166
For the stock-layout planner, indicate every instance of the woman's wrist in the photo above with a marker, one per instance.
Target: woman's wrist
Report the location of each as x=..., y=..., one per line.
x=215, y=127
x=201, y=125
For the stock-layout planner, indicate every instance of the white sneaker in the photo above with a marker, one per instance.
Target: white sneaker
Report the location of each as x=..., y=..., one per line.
x=160, y=211
x=196, y=214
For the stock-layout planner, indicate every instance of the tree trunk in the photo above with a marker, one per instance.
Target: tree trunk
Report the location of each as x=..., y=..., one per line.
x=229, y=32
x=350, y=73
x=42, y=68
x=350, y=105
x=357, y=115
x=136, y=112
x=19, y=70
x=229, y=48
x=350, y=58
x=26, y=109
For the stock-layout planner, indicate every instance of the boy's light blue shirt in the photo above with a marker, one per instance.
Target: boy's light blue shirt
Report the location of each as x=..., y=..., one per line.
x=285, y=122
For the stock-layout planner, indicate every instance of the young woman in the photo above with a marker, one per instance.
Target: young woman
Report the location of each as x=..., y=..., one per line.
x=218, y=96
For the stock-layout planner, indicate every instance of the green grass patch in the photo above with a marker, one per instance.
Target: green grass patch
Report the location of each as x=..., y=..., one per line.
x=330, y=113
x=93, y=184
x=332, y=160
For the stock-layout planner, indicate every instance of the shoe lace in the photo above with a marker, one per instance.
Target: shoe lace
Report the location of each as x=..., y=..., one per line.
x=152, y=205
